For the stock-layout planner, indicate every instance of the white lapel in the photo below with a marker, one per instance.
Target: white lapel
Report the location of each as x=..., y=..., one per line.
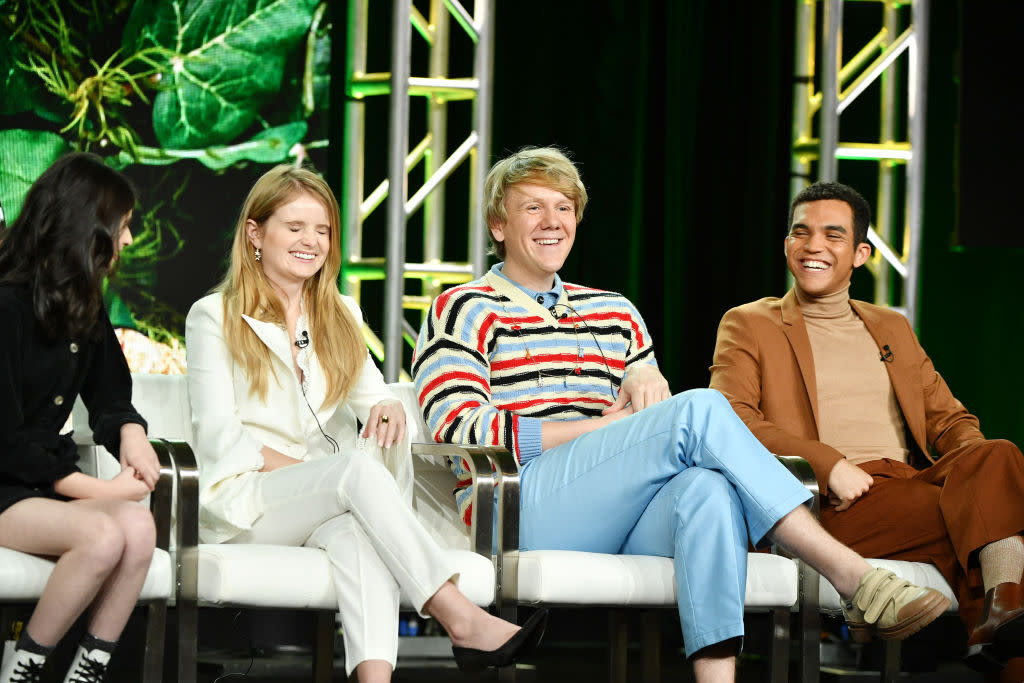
x=274, y=337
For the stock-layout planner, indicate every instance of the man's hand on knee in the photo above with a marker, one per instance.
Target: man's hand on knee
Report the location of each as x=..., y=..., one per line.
x=847, y=483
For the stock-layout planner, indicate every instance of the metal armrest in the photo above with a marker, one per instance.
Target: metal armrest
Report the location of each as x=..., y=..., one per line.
x=502, y=466
x=160, y=501
x=186, y=510
x=161, y=507
x=481, y=529
x=802, y=470
x=507, y=468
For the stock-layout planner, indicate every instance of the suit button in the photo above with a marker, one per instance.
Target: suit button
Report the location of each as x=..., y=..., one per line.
x=74, y=347
x=59, y=401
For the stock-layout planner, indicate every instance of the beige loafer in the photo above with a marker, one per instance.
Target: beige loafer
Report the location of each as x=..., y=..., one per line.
x=890, y=607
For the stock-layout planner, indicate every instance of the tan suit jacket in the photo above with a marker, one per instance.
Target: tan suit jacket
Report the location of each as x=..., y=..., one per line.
x=763, y=364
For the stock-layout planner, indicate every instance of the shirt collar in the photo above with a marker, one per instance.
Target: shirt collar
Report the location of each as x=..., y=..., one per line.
x=550, y=297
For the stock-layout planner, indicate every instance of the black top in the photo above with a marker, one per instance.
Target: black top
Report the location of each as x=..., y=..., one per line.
x=39, y=380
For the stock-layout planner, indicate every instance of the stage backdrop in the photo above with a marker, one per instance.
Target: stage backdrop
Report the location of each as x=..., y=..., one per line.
x=678, y=114
x=192, y=100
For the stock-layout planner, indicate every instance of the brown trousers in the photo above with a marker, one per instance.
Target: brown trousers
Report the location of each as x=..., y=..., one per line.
x=942, y=514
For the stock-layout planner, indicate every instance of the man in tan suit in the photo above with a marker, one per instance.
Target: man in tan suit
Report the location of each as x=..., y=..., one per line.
x=903, y=468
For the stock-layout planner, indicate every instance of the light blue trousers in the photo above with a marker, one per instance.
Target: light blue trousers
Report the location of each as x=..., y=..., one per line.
x=684, y=479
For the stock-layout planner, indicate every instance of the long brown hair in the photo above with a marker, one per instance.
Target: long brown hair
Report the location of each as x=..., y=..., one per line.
x=63, y=242
x=336, y=336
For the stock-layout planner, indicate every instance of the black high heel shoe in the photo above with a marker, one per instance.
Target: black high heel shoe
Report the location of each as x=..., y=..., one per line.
x=523, y=643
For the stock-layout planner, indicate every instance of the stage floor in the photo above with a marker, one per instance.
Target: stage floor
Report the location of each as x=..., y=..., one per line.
x=574, y=649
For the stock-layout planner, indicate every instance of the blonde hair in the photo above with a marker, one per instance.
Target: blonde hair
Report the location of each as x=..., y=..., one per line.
x=547, y=166
x=335, y=333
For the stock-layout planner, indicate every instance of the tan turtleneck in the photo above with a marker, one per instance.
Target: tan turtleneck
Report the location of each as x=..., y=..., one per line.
x=858, y=413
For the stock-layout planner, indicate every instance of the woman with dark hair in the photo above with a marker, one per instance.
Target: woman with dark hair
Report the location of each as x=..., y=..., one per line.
x=57, y=343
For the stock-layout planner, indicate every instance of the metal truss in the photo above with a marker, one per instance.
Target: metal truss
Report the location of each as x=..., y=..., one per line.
x=429, y=157
x=820, y=97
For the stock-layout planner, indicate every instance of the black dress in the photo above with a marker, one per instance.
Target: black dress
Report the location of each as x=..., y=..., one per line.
x=39, y=380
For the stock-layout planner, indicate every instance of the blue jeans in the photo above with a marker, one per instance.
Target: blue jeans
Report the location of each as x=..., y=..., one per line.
x=684, y=479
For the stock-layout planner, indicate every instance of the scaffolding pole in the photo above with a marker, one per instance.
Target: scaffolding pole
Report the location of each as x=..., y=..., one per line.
x=432, y=153
x=896, y=53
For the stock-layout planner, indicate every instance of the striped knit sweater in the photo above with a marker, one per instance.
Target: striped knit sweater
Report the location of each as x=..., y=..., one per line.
x=491, y=363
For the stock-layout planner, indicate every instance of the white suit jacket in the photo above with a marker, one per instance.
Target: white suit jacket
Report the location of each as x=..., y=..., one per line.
x=231, y=426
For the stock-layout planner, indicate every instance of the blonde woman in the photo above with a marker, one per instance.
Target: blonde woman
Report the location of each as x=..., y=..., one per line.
x=278, y=375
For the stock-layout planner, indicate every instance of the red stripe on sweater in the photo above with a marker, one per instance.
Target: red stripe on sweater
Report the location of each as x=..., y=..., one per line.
x=521, y=405
x=481, y=336
x=540, y=358
x=624, y=317
x=451, y=415
x=450, y=376
x=515, y=320
x=581, y=288
x=442, y=299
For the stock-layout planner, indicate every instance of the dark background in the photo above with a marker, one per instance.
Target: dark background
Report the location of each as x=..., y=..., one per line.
x=679, y=115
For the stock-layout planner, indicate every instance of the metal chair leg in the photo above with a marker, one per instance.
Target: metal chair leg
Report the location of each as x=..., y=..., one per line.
x=323, y=647
x=810, y=625
x=618, y=641
x=650, y=646
x=891, y=665
x=779, y=657
x=156, y=629
x=508, y=612
x=187, y=588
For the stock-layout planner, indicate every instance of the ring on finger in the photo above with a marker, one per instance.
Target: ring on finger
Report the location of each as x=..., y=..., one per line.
x=385, y=419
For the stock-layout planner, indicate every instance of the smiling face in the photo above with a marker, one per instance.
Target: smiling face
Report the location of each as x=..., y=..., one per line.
x=538, y=233
x=820, y=249
x=294, y=240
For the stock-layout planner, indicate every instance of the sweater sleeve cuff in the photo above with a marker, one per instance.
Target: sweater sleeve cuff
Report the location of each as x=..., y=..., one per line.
x=528, y=438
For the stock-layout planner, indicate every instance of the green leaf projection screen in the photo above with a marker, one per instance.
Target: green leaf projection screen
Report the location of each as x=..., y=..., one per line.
x=192, y=99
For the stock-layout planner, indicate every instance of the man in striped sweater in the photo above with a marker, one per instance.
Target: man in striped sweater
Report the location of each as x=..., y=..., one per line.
x=565, y=377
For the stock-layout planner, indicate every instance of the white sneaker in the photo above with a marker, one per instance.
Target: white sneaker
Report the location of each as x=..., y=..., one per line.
x=22, y=667
x=88, y=667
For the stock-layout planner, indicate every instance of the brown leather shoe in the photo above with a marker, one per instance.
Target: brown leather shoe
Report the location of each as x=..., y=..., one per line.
x=999, y=634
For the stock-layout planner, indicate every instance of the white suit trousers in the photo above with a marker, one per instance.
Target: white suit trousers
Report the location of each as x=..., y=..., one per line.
x=349, y=506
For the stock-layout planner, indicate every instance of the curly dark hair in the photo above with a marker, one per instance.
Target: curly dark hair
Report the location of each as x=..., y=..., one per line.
x=844, y=193
x=63, y=242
